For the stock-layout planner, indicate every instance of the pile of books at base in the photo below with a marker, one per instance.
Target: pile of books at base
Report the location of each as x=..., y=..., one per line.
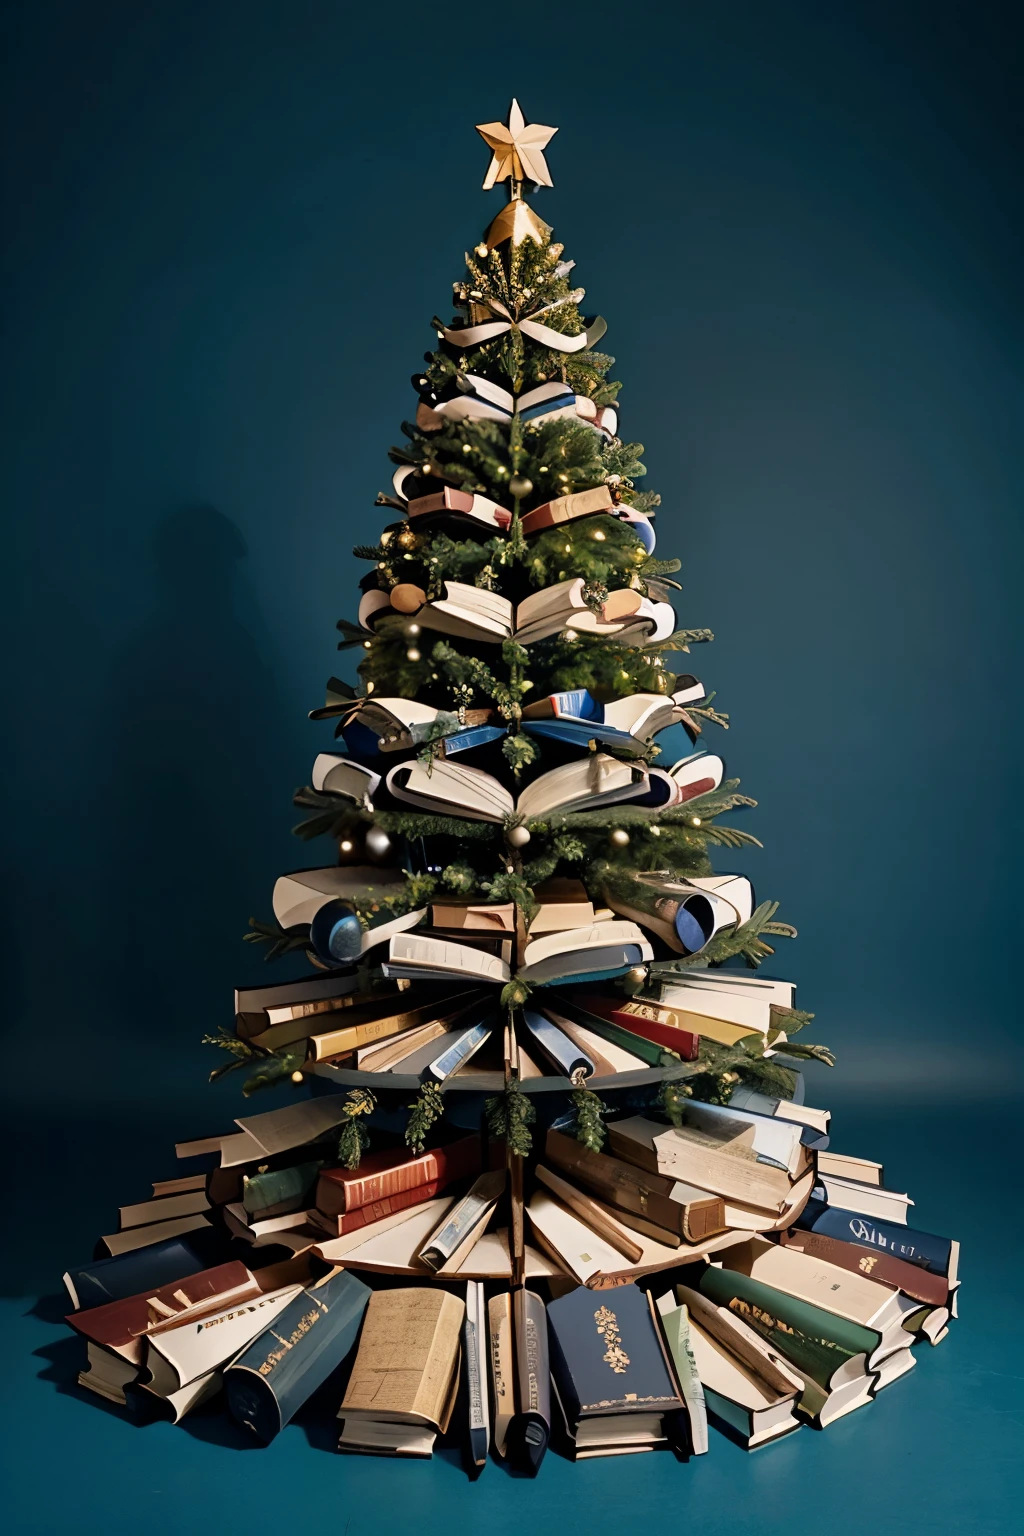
x=730, y=1269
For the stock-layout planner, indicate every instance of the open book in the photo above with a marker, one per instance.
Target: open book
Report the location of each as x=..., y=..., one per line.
x=374, y=725
x=455, y=789
x=628, y=724
x=476, y=614
x=604, y=949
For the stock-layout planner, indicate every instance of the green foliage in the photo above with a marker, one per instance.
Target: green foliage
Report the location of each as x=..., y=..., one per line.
x=240, y=1050
x=590, y=1111
x=353, y=1137
x=509, y=1115
x=424, y=1111
x=275, y=1068
x=278, y=942
x=604, y=551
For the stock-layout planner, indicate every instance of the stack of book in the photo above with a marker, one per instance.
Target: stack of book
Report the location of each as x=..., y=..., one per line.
x=728, y=1270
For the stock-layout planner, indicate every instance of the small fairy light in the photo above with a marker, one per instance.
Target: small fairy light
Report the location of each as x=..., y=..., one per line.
x=297, y=1077
x=694, y=821
x=501, y=470
x=369, y=687
x=482, y=251
x=543, y=469
x=413, y=629
x=412, y=654
x=467, y=447
x=655, y=831
x=346, y=845
x=367, y=644
x=598, y=534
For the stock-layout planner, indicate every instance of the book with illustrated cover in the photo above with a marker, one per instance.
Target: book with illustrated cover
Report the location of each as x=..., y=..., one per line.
x=405, y=1375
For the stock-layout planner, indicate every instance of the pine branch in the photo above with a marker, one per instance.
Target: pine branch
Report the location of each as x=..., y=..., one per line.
x=509, y=1116
x=590, y=1111
x=274, y=936
x=424, y=1111
x=353, y=1137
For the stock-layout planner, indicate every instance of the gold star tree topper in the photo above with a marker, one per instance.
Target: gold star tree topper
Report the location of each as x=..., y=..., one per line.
x=517, y=150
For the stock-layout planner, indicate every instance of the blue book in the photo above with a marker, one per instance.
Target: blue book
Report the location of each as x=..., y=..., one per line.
x=573, y=1063
x=279, y=1371
x=934, y=1254
x=475, y=736
x=608, y=1365
x=466, y=1045
x=578, y=732
x=126, y=1274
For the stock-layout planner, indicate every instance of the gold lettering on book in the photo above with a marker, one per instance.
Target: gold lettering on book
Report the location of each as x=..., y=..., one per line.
x=300, y=1330
x=868, y=1262
x=608, y=1328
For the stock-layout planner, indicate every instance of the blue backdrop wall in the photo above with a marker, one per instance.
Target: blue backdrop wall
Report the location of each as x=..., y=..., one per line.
x=228, y=229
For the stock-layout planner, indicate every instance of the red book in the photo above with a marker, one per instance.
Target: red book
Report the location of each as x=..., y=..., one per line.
x=651, y=1021
x=384, y=1175
x=124, y=1325
x=366, y=1215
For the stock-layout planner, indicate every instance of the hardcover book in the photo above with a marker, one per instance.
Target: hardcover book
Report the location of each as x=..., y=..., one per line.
x=609, y=1366
x=384, y=1175
x=690, y=1213
x=935, y=1255
x=403, y=1383
x=269, y=1381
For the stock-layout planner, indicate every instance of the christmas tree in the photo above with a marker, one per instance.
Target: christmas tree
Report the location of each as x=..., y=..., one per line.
x=514, y=484
x=537, y=1057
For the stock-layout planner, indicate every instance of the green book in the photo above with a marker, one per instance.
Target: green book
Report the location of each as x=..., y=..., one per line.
x=280, y=1190
x=817, y=1342
x=647, y=1050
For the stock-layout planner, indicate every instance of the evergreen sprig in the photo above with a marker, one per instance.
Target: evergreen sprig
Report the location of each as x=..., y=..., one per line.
x=353, y=1136
x=509, y=1116
x=425, y=1110
x=590, y=1111
x=278, y=942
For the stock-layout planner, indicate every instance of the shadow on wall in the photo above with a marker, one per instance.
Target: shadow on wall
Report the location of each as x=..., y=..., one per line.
x=192, y=742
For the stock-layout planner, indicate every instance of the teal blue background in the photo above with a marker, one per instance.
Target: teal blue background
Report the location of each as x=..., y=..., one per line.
x=227, y=230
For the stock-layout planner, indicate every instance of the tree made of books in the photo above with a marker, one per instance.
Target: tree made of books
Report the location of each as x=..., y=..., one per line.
x=509, y=826
x=536, y=1053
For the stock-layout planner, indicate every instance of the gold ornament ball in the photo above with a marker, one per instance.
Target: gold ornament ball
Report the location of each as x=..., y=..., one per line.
x=482, y=251
x=636, y=975
x=407, y=539
x=518, y=837
x=619, y=838
x=520, y=486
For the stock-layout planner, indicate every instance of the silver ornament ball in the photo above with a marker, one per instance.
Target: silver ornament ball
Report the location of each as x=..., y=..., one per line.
x=378, y=844
x=518, y=837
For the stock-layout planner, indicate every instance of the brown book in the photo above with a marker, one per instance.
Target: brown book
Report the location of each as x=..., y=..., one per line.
x=406, y=1372
x=383, y=1175
x=466, y=917
x=917, y=1283
x=123, y=1326
x=694, y=1217
x=565, y=508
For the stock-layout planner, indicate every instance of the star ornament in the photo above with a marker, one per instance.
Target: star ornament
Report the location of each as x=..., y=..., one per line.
x=516, y=149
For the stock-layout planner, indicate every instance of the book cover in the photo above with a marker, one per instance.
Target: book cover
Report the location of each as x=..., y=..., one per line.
x=606, y=1355
x=407, y=1356
x=126, y=1274
x=124, y=1325
x=922, y=1249
x=693, y=1214
x=911, y=1279
x=268, y=1383
x=382, y=1175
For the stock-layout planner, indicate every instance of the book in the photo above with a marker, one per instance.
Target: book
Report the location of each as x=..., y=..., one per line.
x=609, y=1059
x=606, y=949
x=475, y=1358
x=298, y=896
x=931, y=1290
x=191, y=1181
x=652, y=1021
x=561, y=904
x=419, y=957
x=404, y=1378
x=736, y=1399
x=934, y=1255
x=832, y=1356
x=558, y=1048
x=375, y=1025
x=501, y=1366
x=528, y=1432
x=124, y=1326
x=156, y=1232
x=342, y=1223
x=180, y=1354
x=497, y=917
x=814, y=1122
x=610, y=1370
x=650, y=1052
x=261, y=1230
x=387, y=1175
x=166, y=1208
x=861, y=1169
x=256, y=1008
x=691, y=1213
x=480, y=508
x=455, y=1053
x=457, y=789
x=564, y=509
x=280, y=1370
x=848, y=1294
x=615, y=1233
x=674, y=1322
x=388, y=1054
x=122, y=1275
x=458, y=1230
x=279, y=1191
x=336, y=775
x=723, y=1163
x=724, y=1005
x=864, y=1199
x=629, y=724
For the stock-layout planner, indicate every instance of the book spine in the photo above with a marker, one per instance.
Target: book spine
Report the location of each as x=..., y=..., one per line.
x=910, y=1279
x=682, y=1041
x=438, y=1168
x=376, y=1210
x=922, y=1249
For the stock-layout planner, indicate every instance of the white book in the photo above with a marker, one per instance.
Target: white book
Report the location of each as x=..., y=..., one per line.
x=164, y=1208
x=142, y=1237
x=733, y=1395
x=782, y=1109
x=299, y=896
x=448, y=787
x=279, y=1130
x=334, y=775
x=179, y=1355
x=864, y=1199
x=861, y=1169
x=419, y=956
x=773, y=1141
